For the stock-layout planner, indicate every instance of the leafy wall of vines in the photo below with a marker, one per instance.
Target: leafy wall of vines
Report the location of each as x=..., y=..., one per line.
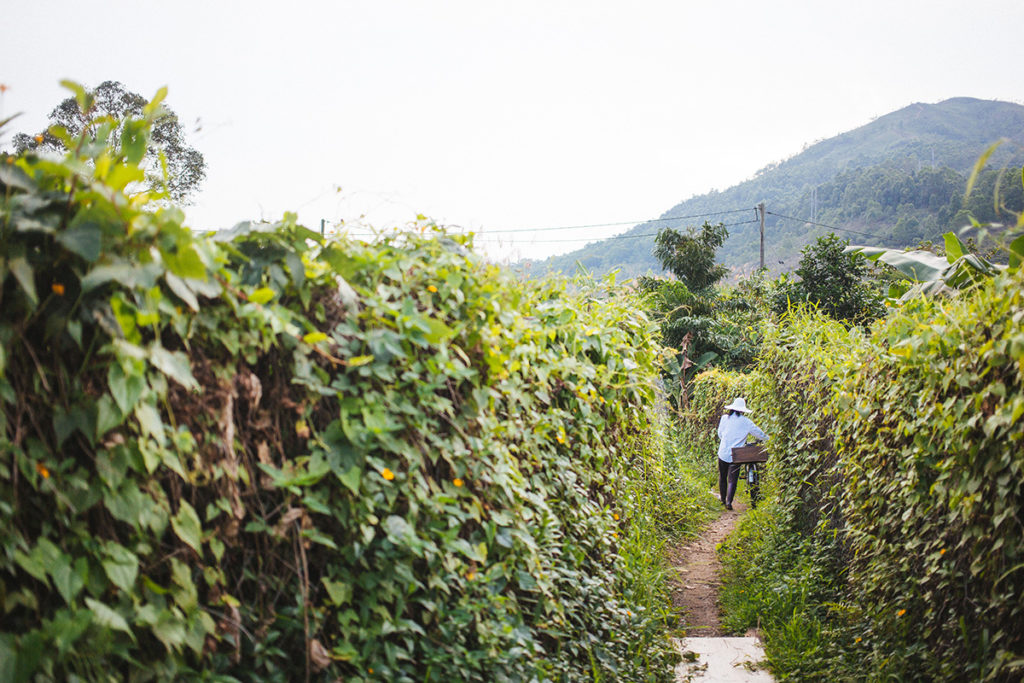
x=257, y=454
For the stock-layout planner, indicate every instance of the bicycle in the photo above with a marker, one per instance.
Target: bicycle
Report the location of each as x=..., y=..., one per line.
x=754, y=483
x=752, y=456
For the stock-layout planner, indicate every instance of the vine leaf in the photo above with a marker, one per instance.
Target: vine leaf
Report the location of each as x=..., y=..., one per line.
x=186, y=526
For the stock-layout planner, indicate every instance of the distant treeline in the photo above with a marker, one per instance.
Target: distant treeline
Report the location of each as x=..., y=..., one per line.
x=895, y=182
x=887, y=204
x=904, y=207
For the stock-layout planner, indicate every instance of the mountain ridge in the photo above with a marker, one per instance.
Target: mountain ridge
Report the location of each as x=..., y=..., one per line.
x=894, y=180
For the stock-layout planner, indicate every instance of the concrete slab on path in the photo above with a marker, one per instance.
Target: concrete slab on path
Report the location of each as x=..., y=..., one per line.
x=721, y=660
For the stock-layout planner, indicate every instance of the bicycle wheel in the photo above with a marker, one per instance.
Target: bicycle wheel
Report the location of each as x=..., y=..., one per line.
x=754, y=483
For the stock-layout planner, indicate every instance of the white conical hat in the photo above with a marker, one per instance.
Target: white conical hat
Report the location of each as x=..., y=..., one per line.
x=739, y=404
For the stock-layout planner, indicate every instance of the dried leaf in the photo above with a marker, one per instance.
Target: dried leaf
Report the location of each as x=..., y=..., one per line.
x=318, y=655
x=289, y=516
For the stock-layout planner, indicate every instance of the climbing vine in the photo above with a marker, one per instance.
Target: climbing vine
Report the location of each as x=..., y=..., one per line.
x=260, y=455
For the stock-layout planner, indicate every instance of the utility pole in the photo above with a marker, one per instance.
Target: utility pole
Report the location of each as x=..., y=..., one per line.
x=760, y=210
x=323, y=228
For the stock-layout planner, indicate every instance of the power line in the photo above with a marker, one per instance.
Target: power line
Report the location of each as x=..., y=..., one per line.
x=482, y=236
x=608, y=225
x=591, y=239
x=489, y=231
x=830, y=227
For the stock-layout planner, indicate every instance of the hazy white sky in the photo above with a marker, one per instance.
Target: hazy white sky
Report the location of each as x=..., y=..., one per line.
x=498, y=115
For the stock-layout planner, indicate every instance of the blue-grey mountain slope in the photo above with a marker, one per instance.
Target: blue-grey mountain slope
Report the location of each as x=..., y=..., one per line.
x=895, y=182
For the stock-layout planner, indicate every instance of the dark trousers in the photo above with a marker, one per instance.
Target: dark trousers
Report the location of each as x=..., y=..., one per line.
x=728, y=474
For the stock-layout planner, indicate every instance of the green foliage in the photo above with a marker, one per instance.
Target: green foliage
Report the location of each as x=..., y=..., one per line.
x=937, y=540
x=710, y=325
x=691, y=256
x=832, y=278
x=258, y=456
x=785, y=566
x=925, y=273
x=686, y=322
x=894, y=541
x=678, y=310
x=787, y=586
x=106, y=113
x=739, y=312
x=671, y=501
x=802, y=355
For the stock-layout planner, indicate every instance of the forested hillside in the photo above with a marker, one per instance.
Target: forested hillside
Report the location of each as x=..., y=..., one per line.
x=895, y=181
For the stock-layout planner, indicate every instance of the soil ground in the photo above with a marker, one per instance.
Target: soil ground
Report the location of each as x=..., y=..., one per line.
x=708, y=655
x=697, y=580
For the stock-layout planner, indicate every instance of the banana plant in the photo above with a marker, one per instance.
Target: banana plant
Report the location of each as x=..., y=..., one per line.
x=925, y=273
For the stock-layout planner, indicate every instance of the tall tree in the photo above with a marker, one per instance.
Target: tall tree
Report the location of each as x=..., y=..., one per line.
x=186, y=167
x=695, y=318
x=690, y=256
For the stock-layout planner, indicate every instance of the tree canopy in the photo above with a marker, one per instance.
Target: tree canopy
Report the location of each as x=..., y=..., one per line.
x=832, y=279
x=691, y=256
x=110, y=102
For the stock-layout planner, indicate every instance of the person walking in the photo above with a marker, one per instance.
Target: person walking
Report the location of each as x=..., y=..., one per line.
x=733, y=430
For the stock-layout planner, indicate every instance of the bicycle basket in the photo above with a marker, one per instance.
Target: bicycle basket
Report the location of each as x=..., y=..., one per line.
x=754, y=453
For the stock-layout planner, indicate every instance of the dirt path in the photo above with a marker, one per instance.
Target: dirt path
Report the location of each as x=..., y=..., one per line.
x=697, y=580
x=709, y=656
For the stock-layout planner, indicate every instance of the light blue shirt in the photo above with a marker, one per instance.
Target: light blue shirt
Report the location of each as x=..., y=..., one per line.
x=733, y=431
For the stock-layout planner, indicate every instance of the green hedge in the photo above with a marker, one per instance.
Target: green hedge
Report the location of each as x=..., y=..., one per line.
x=255, y=455
x=934, y=450
x=801, y=359
x=896, y=543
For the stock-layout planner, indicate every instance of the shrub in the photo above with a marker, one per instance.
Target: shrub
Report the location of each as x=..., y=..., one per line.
x=832, y=279
x=800, y=360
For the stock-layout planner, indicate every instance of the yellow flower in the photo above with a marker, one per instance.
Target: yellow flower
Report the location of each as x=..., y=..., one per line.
x=901, y=612
x=470, y=575
x=387, y=474
x=560, y=438
x=432, y=289
x=857, y=639
x=616, y=516
x=57, y=288
x=457, y=482
x=41, y=469
x=39, y=139
x=942, y=552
